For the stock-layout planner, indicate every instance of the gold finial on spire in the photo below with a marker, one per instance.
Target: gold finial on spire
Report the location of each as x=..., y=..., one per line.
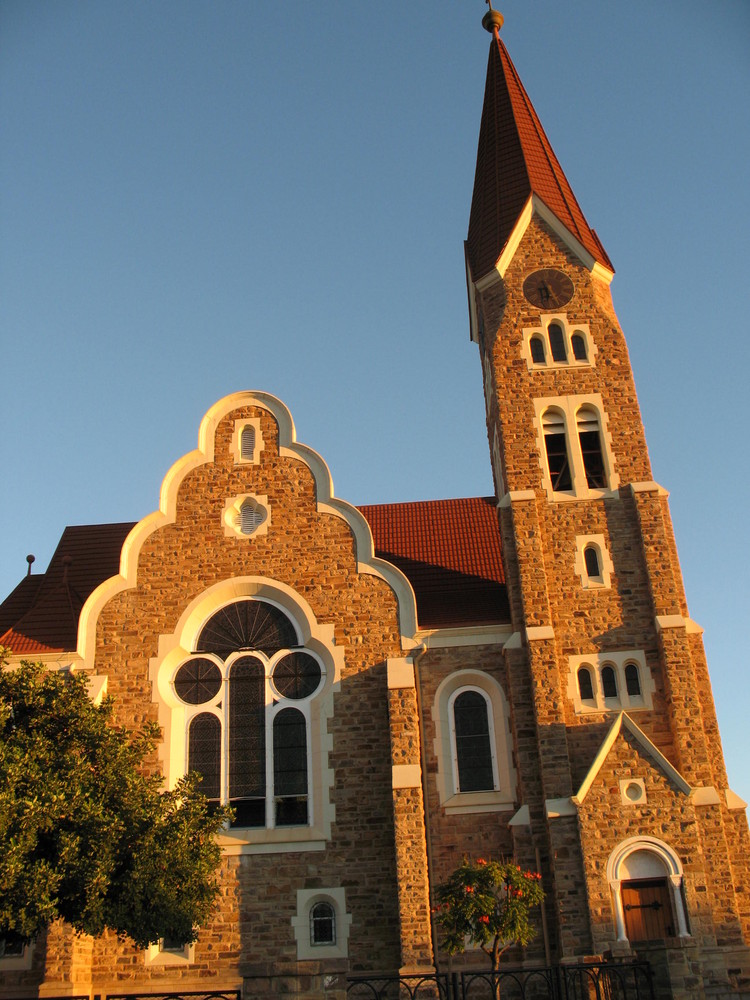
x=492, y=20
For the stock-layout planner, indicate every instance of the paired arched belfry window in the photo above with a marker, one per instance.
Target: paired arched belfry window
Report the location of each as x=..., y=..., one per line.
x=248, y=689
x=574, y=447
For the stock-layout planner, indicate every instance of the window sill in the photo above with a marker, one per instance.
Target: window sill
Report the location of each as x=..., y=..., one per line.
x=252, y=840
x=478, y=802
x=560, y=496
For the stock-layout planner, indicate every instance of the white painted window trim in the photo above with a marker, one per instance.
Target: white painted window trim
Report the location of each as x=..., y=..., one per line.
x=567, y=407
x=502, y=797
x=232, y=515
x=174, y=715
x=568, y=329
x=604, y=580
x=236, y=444
x=156, y=955
x=672, y=870
x=596, y=662
x=306, y=899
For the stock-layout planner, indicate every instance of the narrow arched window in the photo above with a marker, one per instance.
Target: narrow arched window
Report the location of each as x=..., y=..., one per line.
x=591, y=559
x=609, y=682
x=557, y=342
x=204, y=753
x=589, y=436
x=322, y=924
x=290, y=767
x=585, y=687
x=473, y=745
x=556, y=447
x=632, y=680
x=537, y=350
x=247, y=742
x=247, y=443
x=578, y=344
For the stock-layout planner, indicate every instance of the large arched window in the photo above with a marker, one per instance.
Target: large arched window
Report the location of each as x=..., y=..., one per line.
x=248, y=688
x=473, y=744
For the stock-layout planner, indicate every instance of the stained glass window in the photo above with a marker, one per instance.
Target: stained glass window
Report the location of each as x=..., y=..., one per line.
x=197, y=681
x=473, y=748
x=246, y=625
x=296, y=675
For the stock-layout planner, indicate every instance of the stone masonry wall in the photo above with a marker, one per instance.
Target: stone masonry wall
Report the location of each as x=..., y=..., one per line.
x=314, y=554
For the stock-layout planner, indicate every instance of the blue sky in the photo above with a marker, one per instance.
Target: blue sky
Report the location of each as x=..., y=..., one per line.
x=204, y=197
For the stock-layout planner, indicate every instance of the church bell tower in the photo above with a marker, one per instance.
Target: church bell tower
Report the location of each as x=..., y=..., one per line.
x=622, y=780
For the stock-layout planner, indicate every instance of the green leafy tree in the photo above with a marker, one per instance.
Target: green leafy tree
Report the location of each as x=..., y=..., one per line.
x=489, y=904
x=87, y=833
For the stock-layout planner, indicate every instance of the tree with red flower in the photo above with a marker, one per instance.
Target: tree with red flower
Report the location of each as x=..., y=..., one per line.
x=489, y=904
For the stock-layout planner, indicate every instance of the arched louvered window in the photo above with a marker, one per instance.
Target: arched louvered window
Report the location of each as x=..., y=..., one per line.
x=609, y=682
x=536, y=345
x=585, y=687
x=578, y=343
x=632, y=680
x=247, y=443
x=591, y=559
x=250, y=692
x=589, y=436
x=557, y=342
x=472, y=741
x=322, y=924
x=555, y=443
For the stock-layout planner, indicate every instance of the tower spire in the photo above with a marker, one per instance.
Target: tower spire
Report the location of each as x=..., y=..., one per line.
x=517, y=165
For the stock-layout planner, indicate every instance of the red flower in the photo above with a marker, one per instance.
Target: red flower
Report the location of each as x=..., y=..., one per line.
x=481, y=861
x=470, y=888
x=484, y=920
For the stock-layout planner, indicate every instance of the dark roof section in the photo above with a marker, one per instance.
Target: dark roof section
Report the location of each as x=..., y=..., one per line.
x=448, y=549
x=85, y=556
x=514, y=160
x=451, y=553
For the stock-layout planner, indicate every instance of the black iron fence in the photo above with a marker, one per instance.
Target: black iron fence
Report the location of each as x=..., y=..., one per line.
x=589, y=981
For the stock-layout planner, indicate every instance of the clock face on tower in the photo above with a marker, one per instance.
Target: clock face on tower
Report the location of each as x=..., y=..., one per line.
x=548, y=288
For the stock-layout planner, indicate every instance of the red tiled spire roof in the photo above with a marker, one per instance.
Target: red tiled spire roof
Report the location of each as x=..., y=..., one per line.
x=514, y=161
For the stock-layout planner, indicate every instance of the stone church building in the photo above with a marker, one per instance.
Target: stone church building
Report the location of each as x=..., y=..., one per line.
x=383, y=690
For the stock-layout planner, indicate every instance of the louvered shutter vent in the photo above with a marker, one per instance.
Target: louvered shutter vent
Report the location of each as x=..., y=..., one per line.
x=247, y=443
x=250, y=517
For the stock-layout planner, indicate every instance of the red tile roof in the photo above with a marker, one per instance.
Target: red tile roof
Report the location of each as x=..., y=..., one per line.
x=451, y=553
x=448, y=549
x=514, y=160
x=85, y=556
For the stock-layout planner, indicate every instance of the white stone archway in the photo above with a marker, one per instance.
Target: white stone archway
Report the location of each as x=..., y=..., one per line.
x=639, y=858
